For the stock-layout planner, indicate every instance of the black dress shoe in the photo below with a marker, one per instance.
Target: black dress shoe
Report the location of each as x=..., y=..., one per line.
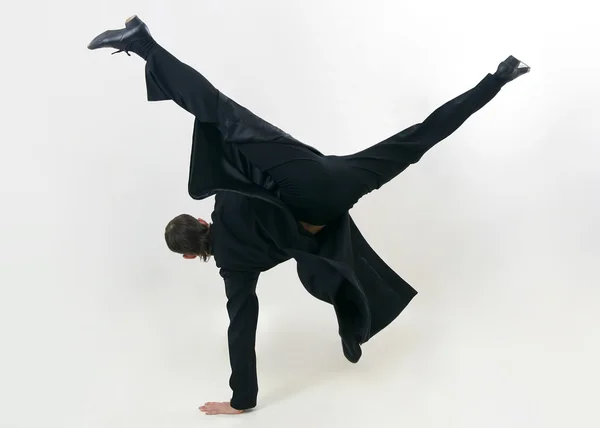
x=135, y=30
x=511, y=68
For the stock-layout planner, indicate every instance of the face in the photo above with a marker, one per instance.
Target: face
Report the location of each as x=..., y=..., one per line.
x=193, y=256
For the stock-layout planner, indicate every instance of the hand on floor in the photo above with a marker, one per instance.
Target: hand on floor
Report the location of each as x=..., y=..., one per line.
x=219, y=409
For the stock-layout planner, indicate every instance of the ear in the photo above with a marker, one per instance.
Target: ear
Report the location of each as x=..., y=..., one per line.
x=189, y=256
x=203, y=221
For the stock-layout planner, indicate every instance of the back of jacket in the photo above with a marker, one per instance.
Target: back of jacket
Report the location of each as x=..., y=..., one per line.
x=239, y=241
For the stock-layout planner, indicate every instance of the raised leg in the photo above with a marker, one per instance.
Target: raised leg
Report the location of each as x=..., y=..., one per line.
x=167, y=78
x=371, y=168
x=319, y=190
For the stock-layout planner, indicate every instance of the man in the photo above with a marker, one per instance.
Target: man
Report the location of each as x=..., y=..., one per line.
x=278, y=199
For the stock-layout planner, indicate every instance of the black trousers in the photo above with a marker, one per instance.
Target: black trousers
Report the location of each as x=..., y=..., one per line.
x=316, y=187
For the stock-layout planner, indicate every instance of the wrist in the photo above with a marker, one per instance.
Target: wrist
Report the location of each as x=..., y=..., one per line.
x=242, y=405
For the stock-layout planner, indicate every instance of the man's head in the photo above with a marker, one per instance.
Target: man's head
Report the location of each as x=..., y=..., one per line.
x=189, y=236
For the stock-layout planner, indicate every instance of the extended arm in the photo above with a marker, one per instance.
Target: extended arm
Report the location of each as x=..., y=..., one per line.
x=242, y=307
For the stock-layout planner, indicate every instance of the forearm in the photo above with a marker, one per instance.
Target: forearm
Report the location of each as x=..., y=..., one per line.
x=242, y=307
x=242, y=354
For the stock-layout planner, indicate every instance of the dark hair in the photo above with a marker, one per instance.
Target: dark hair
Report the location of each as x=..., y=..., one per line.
x=186, y=235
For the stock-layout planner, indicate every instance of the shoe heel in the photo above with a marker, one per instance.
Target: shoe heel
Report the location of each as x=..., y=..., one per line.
x=133, y=22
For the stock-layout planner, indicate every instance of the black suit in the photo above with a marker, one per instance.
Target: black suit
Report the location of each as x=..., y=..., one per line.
x=266, y=182
x=242, y=250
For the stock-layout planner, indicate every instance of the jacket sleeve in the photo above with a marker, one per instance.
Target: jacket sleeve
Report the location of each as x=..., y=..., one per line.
x=242, y=307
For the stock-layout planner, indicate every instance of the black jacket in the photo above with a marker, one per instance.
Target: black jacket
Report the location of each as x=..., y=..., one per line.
x=266, y=234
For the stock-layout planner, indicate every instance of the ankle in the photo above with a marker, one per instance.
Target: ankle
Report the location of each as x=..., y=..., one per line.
x=143, y=47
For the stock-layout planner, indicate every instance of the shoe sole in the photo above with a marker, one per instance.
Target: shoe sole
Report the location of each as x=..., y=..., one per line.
x=516, y=64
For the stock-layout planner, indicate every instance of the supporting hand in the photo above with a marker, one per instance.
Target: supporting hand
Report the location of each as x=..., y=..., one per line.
x=212, y=408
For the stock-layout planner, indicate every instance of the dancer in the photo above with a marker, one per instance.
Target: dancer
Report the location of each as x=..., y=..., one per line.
x=278, y=199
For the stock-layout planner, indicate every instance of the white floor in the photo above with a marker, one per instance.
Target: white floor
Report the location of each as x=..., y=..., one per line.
x=498, y=227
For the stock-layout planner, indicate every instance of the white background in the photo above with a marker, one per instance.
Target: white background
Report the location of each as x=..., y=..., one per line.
x=498, y=227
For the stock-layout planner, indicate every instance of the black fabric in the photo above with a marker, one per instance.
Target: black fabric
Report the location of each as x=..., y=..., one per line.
x=239, y=241
x=242, y=307
x=242, y=248
x=142, y=47
x=319, y=189
x=236, y=151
